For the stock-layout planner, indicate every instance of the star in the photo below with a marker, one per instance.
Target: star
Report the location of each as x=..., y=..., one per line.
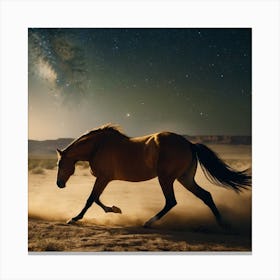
x=143, y=71
x=203, y=114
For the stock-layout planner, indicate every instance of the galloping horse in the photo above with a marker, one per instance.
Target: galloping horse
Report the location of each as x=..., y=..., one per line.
x=168, y=156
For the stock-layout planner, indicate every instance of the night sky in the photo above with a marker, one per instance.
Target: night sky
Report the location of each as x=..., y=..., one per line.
x=189, y=81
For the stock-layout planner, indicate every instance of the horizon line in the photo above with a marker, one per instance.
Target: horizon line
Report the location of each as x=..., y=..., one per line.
x=185, y=135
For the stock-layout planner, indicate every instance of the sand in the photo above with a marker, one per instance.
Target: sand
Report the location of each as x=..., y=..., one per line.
x=189, y=226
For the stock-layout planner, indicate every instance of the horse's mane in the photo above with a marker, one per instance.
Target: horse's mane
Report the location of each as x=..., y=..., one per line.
x=107, y=128
x=112, y=128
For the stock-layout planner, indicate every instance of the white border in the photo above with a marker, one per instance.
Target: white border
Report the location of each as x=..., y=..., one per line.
x=262, y=16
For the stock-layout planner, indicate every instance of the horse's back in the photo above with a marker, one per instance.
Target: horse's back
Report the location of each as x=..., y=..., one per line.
x=129, y=159
x=168, y=152
x=142, y=158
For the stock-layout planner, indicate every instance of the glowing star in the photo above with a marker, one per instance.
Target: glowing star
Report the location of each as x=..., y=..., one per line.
x=128, y=115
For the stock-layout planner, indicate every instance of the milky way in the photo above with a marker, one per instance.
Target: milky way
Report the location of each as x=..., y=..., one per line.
x=194, y=81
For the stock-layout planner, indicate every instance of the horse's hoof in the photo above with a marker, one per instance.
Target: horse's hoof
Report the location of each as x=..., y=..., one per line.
x=116, y=209
x=147, y=225
x=225, y=225
x=71, y=221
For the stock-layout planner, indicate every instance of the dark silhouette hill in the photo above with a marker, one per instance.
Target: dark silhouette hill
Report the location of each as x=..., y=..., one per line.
x=48, y=147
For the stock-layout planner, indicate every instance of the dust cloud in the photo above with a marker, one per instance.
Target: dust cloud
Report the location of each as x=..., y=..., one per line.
x=140, y=201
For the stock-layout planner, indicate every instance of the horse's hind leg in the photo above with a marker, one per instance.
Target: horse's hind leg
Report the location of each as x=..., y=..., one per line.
x=205, y=196
x=170, y=201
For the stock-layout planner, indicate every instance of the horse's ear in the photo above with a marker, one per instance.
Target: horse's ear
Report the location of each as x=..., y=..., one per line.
x=59, y=153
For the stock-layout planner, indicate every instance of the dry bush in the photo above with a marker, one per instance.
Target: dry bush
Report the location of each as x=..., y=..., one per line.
x=83, y=164
x=42, y=163
x=38, y=170
x=32, y=163
x=48, y=163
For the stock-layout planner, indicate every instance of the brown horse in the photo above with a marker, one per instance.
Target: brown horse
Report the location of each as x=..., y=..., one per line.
x=168, y=156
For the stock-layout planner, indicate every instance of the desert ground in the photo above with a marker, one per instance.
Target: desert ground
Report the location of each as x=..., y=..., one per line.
x=189, y=226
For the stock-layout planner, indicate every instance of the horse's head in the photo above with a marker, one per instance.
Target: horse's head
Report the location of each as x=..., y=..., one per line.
x=66, y=167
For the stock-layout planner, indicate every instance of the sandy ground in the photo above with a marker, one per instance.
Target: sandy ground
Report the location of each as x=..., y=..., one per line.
x=189, y=226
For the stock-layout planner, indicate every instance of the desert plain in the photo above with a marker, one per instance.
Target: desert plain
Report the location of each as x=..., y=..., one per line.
x=188, y=227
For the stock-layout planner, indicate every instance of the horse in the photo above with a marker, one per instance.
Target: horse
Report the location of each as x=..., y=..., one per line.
x=112, y=155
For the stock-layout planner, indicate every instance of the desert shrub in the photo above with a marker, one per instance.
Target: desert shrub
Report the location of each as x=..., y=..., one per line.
x=83, y=164
x=42, y=163
x=32, y=163
x=48, y=163
x=38, y=170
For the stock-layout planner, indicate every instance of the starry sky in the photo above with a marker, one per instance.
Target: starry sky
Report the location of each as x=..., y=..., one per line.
x=193, y=81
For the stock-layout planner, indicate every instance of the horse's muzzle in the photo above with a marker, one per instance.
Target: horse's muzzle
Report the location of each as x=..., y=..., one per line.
x=60, y=184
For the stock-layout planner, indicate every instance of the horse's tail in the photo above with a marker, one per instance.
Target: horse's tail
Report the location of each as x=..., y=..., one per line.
x=218, y=172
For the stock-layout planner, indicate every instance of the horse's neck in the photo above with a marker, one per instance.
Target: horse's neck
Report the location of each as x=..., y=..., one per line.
x=82, y=151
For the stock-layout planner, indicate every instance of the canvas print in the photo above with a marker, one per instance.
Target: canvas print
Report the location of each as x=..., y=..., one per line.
x=139, y=140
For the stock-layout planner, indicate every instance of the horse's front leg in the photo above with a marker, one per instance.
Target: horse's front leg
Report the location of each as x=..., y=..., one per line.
x=97, y=190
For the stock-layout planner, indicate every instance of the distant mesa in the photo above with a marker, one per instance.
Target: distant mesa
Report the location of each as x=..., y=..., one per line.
x=48, y=147
x=221, y=139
